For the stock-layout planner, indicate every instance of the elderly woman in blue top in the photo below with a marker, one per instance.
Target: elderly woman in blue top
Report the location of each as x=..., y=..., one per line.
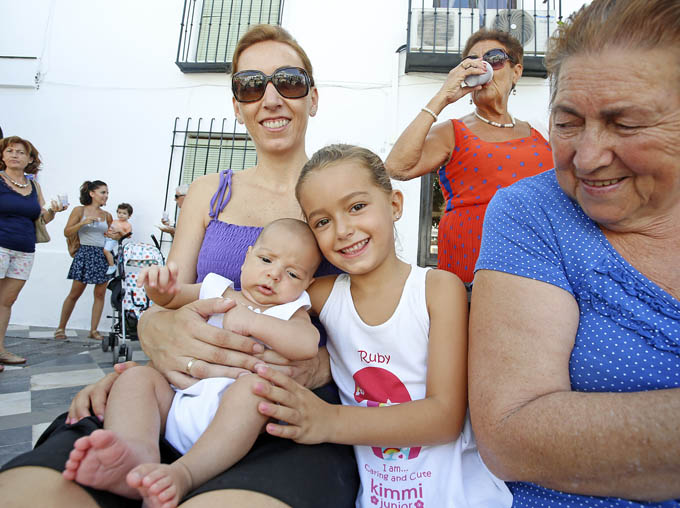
x=575, y=320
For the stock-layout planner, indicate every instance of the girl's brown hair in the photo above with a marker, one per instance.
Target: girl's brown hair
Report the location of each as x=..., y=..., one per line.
x=333, y=154
x=87, y=187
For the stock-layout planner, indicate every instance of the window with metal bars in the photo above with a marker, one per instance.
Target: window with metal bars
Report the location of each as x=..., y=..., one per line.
x=204, y=153
x=200, y=147
x=438, y=30
x=210, y=30
x=432, y=207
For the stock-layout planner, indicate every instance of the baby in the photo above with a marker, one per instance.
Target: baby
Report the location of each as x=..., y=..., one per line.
x=214, y=426
x=122, y=226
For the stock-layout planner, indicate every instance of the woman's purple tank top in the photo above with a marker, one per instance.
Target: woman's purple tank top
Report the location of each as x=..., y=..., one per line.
x=225, y=245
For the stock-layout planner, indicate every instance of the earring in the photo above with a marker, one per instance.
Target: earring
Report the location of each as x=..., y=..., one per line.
x=514, y=91
x=471, y=101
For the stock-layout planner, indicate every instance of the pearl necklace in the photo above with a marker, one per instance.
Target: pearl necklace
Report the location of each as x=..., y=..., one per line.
x=496, y=124
x=21, y=185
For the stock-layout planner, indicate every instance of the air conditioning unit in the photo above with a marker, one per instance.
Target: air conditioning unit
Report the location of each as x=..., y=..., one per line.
x=531, y=28
x=442, y=30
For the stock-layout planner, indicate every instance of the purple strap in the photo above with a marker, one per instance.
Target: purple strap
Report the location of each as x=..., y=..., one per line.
x=218, y=197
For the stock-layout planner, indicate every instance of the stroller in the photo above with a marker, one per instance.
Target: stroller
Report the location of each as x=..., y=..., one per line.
x=127, y=300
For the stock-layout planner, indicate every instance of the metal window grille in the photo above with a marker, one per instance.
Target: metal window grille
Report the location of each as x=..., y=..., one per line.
x=200, y=147
x=438, y=30
x=205, y=154
x=210, y=30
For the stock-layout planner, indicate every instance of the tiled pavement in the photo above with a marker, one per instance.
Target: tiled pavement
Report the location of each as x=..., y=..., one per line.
x=33, y=394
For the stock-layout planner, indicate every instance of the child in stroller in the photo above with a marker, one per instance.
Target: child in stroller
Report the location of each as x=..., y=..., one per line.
x=127, y=300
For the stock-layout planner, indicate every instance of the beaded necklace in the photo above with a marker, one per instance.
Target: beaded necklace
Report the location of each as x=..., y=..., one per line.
x=22, y=185
x=496, y=124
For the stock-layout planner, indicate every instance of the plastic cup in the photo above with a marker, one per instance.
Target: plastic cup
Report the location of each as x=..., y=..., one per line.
x=166, y=217
x=479, y=79
x=63, y=199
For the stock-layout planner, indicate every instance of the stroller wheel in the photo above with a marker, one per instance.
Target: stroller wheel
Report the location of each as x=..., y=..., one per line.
x=115, y=353
x=122, y=351
x=107, y=341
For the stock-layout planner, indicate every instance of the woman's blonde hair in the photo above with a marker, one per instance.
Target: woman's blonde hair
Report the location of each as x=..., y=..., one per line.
x=275, y=33
x=332, y=154
x=634, y=24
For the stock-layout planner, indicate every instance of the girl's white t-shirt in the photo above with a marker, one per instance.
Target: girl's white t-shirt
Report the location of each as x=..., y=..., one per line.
x=387, y=364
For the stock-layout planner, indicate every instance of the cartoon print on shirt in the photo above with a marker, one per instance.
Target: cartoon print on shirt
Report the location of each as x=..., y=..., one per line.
x=379, y=387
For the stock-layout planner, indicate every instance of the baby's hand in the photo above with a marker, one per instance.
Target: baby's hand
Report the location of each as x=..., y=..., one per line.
x=238, y=320
x=163, y=279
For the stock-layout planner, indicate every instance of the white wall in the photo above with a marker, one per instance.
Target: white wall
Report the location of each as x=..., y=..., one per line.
x=109, y=92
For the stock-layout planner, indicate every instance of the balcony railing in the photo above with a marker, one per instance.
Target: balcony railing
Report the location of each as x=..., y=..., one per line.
x=210, y=30
x=439, y=29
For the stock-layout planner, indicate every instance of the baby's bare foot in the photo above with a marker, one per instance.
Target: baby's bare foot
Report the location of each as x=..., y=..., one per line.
x=102, y=460
x=161, y=485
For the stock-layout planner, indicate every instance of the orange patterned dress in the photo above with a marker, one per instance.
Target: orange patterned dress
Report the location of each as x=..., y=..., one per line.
x=477, y=169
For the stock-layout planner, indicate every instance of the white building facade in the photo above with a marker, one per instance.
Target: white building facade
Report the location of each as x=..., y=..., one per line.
x=95, y=86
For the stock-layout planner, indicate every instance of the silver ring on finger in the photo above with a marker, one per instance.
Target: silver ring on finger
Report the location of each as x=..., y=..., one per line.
x=190, y=364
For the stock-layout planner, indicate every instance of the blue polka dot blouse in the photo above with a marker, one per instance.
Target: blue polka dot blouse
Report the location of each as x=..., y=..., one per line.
x=628, y=338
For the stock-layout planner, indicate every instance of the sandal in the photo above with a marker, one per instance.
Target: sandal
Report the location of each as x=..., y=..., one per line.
x=60, y=334
x=94, y=334
x=11, y=359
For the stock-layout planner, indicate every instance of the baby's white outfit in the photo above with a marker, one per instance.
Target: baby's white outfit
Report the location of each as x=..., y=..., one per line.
x=193, y=408
x=384, y=365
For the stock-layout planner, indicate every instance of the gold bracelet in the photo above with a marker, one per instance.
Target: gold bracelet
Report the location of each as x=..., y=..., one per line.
x=428, y=110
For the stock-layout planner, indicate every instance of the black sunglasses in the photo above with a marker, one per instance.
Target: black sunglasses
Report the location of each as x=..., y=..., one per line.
x=290, y=82
x=496, y=57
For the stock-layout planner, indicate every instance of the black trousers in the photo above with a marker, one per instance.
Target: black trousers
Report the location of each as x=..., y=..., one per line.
x=302, y=476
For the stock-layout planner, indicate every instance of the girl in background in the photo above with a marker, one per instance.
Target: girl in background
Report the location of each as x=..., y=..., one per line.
x=89, y=265
x=397, y=339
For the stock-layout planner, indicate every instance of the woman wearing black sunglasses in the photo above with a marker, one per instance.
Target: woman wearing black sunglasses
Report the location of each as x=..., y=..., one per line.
x=476, y=154
x=222, y=215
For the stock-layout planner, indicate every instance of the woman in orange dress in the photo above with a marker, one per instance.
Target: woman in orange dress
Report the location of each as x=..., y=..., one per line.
x=475, y=155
